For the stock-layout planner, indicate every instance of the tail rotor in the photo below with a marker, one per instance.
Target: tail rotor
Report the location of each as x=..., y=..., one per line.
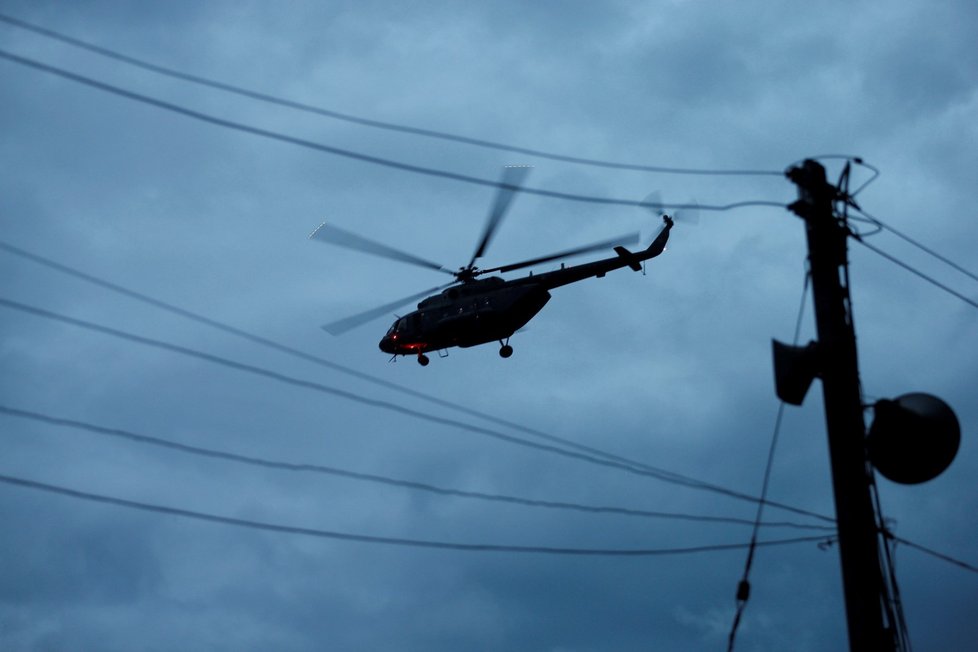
x=688, y=213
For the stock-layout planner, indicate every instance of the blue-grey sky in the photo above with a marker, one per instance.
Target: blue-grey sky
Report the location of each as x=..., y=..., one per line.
x=672, y=368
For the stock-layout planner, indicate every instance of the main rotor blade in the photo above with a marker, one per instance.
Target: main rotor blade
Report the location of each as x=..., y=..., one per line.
x=337, y=236
x=343, y=325
x=513, y=177
x=622, y=240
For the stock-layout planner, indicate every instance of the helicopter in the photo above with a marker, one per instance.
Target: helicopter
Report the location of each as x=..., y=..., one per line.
x=474, y=308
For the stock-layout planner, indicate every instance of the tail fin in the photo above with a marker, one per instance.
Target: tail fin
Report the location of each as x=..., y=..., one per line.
x=629, y=258
x=659, y=244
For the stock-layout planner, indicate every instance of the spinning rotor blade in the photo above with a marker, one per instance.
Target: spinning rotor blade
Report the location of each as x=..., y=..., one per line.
x=689, y=213
x=631, y=238
x=513, y=175
x=343, y=325
x=337, y=236
x=653, y=202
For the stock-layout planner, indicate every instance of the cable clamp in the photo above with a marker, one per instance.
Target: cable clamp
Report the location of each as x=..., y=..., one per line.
x=743, y=591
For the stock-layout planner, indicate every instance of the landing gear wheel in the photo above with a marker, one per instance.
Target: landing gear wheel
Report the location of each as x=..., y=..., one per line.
x=423, y=360
x=506, y=350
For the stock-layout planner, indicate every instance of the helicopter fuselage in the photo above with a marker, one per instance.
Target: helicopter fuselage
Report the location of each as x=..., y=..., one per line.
x=491, y=309
x=480, y=311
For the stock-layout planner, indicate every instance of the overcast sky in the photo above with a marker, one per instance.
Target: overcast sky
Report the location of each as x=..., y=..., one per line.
x=671, y=369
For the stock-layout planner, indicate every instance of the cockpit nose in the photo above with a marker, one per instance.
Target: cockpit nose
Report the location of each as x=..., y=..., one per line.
x=387, y=343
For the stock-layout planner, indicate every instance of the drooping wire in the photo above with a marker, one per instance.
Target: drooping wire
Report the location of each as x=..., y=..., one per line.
x=891, y=601
x=743, y=587
x=917, y=272
x=924, y=248
x=257, y=339
x=387, y=405
x=239, y=458
x=365, y=158
x=889, y=596
x=346, y=117
x=866, y=183
x=395, y=541
x=934, y=553
x=886, y=581
x=858, y=237
x=824, y=542
x=863, y=234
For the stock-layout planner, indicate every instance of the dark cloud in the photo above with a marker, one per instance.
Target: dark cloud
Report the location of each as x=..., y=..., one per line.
x=672, y=368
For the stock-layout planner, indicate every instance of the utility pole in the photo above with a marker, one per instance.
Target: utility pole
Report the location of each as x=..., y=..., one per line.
x=838, y=368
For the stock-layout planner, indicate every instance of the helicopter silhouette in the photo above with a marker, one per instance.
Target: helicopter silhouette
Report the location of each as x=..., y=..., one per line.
x=471, y=310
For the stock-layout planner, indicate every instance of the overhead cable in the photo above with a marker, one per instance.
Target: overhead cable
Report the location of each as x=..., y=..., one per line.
x=913, y=270
x=366, y=158
x=868, y=181
x=934, y=553
x=395, y=541
x=743, y=587
x=370, y=477
x=277, y=346
x=282, y=348
x=386, y=405
x=944, y=259
x=346, y=117
x=890, y=598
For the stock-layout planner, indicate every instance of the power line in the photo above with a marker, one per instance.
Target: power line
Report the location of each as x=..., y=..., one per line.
x=10, y=480
x=346, y=117
x=743, y=588
x=866, y=183
x=395, y=541
x=277, y=346
x=376, y=403
x=944, y=259
x=369, y=477
x=891, y=600
x=907, y=267
x=366, y=158
x=934, y=553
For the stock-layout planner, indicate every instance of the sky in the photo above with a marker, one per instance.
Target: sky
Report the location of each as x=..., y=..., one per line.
x=671, y=368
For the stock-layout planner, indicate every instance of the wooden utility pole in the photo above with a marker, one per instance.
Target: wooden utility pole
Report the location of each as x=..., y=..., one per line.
x=838, y=368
